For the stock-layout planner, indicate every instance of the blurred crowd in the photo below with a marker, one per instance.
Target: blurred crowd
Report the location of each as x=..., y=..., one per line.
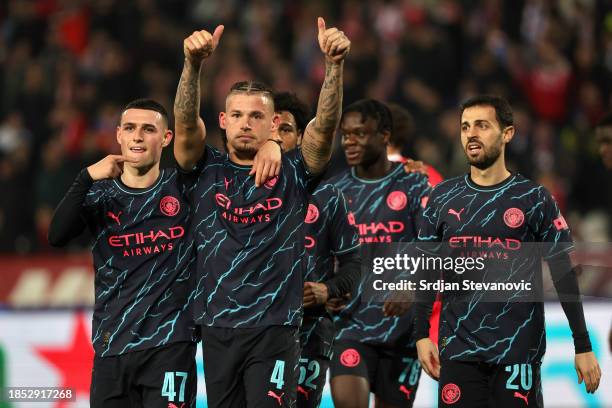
x=68, y=66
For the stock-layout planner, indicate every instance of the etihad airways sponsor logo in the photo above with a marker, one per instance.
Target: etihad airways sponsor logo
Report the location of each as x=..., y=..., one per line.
x=379, y=231
x=258, y=212
x=485, y=247
x=146, y=243
x=390, y=227
x=475, y=241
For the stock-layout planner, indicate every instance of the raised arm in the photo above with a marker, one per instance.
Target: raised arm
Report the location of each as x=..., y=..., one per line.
x=319, y=134
x=190, y=131
x=67, y=222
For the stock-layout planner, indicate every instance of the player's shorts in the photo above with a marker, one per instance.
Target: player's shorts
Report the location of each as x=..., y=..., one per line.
x=393, y=374
x=316, y=339
x=163, y=377
x=251, y=367
x=313, y=373
x=476, y=385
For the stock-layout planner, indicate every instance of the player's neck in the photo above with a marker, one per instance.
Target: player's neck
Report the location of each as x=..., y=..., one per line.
x=392, y=150
x=376, y=170
x=243, y=161
x=490, y=176
x=242, y=158
x=140, y=178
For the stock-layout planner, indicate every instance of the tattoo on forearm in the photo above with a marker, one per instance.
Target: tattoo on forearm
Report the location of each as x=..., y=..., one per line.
x=317, y=144
x=187, y=101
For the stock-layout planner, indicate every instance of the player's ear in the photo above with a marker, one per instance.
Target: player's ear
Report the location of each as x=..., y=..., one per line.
x=508, y=133
x=299, y=138
x=222, y=120
x=118, y=134
x=386, y=136
x=167, y=138
x=275, y=122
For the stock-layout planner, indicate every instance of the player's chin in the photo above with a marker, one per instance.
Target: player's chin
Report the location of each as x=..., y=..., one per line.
x=353, y=160
x=478, y=161
x=246, y=149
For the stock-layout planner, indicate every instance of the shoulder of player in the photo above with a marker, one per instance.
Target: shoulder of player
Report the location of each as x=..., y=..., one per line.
x=528, y=187
x=165, y=183
x=446, y=185
x=100, y=188
x=412, y=178
x=341, y=180
x=324, y=193
x=293, y=156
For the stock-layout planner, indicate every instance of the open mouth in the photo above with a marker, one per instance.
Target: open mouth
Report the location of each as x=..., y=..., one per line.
x=137, y=149
x=473, y=148
x=352, y=155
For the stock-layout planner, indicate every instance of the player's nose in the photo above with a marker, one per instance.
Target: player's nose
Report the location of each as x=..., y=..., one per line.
x=138, y=135
x=246, y=124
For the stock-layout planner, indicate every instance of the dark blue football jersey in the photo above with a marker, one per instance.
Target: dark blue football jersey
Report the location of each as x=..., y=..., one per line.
x=500, y=224
x=144, y=264
x=250, y=242
x=383, y=211
x=328, y=233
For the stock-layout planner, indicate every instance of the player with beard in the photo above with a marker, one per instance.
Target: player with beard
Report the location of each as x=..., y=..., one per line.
x=374, y=349
x=329, y=238
x=490, y=351
x=250, y=238
x=143, y=330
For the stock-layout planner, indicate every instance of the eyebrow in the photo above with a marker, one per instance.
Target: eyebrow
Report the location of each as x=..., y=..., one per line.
x=134, y=124
x=477, y=121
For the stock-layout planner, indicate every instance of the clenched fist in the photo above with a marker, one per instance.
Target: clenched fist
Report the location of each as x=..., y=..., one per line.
x=201, y=44
x=334, y=44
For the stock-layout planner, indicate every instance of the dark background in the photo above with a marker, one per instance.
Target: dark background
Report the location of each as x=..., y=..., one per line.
x=68, y=66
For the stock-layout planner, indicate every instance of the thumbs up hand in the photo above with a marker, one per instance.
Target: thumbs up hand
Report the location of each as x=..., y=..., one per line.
x=201, y=44
x=334, y=44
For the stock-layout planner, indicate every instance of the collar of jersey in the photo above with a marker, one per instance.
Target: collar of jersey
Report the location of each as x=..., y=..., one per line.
x=494, y=187
x=130, y=190
x=236, y=165
x=378, y=180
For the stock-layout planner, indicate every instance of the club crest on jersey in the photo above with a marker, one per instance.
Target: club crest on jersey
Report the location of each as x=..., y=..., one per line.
x=451, y=393
x=270, y=183
x=169, y=206
x=397, y=200
x=312, y=215
x=350, y=358
x=560, y=223
x=514, y=217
